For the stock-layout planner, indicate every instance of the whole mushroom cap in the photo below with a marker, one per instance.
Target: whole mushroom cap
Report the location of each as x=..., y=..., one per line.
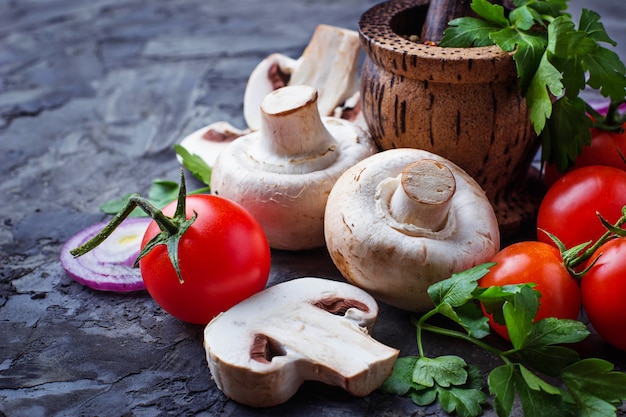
x=389, y=253
x=282, y=174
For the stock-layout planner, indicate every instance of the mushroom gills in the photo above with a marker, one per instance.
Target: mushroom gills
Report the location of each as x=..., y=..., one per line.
x=261, y=351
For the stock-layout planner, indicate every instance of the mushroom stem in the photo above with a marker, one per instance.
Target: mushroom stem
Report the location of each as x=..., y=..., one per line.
x=424, y=196
x=292, y=130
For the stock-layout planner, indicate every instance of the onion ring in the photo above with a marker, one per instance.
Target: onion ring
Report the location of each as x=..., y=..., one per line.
x=108, y=267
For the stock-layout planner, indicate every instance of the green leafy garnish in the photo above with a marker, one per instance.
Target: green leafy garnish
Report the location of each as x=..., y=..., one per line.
x=172, y=228
x=195, y=164
x=595, y=386
x=555, y=61
x=537, y=358
x=162, y=192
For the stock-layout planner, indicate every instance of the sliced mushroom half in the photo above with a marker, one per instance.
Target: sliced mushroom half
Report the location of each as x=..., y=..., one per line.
x=308, y=329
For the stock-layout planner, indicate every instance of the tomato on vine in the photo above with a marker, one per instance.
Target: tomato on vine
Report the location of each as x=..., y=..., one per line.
x=570, y=208
x=606, y=148
x=224, y=258
x=541, y=264
x=608, y=143
x=201, y=254
x=603, y=289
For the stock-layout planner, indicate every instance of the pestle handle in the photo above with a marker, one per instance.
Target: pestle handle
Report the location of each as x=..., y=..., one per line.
x=440, y=12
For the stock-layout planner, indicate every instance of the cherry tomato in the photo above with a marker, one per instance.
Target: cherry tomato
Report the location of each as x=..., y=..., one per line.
x=569, y=208
x=224, y=258
x=539, y=263
x=604, y=150
x=603, y=290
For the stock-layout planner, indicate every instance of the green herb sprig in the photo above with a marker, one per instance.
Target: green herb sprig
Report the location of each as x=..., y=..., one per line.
x=588, y=387
x=162, y=192
x=555, y=61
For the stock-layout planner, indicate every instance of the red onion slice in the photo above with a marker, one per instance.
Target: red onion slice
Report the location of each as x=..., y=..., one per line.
x=602, y=106
x=108, y=267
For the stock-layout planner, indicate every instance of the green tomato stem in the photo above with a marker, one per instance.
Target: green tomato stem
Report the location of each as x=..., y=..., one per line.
x=613, y=122
x=588, y=253
x=133, y=201
x=164, y=222
x=458, y=335
x=172, y=228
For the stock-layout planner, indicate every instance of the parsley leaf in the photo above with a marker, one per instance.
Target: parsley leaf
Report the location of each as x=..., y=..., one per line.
x=553, y=60
x=545, y=82
x=568, y=118
x=401, y=379
x=502, y=385
x=443, y=371
x=519, y=314
x=448, y=379
x=590, y=24
x=493, y=13
x=468, y=31
x=538, y=403
x=451, y=297
x=457, y=290
x=595, y=386
x=163, y=192
x=493, y=298
x=522, y=18
x=195, y=164
x=465, y=402
x=587, y=387
x=160, y=194
x=606, y=73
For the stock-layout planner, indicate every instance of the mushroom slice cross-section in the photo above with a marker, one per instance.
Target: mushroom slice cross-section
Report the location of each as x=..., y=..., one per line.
x=208, y=141
x=329, y=63
x=307, y=329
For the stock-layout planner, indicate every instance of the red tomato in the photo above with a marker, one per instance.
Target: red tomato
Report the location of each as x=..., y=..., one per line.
x=224, y=258
x=605, y=150
x=569, y=208
x=603, y=290
x=539, y=263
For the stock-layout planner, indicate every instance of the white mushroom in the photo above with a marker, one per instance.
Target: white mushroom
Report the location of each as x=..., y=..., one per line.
x=261, y=351
x=209, y=141
x=270, y=74
x=404, y=219
x=329, y=63
x=283, y=173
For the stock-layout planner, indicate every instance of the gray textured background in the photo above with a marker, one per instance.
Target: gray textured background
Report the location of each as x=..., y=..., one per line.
x=92, y=97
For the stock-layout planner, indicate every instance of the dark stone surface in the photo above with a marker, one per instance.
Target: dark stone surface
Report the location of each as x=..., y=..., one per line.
x=92, y=97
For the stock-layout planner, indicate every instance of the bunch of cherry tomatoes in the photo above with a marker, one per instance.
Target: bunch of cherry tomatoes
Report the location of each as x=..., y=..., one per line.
x=586, y=278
